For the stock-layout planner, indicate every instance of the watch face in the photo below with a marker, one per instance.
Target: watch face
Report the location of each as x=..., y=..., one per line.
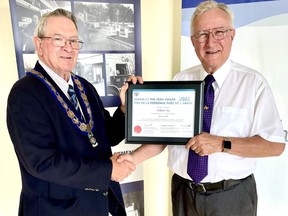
x=227, y=144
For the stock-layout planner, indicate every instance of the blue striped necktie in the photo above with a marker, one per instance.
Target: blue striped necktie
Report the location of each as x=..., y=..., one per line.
x=73, y=99
x=197, y=167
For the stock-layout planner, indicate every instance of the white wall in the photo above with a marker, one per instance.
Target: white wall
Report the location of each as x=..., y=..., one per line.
x=9, y=171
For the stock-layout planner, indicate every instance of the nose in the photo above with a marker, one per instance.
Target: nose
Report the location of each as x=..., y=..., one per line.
x=68, y=47
x=210, y=39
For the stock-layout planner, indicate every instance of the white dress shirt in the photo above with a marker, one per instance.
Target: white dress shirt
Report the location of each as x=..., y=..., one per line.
x=62, y=84
x=244, y=106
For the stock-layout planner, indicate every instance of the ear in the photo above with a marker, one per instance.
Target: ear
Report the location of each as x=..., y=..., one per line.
x=37, y=44
x=192, y=40
x=233, y=34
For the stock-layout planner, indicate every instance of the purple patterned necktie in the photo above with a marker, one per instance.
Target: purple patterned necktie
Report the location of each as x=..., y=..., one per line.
x=197, y=167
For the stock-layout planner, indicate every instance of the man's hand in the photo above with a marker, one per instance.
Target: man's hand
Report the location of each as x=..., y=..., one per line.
x=121, y=170
x=126, y=157
x=205, y=144
x=132, y=79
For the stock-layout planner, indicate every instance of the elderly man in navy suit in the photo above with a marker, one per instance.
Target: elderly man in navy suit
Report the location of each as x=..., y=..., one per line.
x=64, y=151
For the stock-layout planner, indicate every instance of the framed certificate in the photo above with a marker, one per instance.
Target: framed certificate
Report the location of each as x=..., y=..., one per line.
x=165, y=112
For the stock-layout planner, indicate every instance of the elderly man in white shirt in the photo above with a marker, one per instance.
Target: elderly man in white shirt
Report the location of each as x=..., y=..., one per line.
x=245, y=125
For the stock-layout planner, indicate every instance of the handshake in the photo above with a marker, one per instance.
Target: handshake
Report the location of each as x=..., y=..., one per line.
x=123, y=164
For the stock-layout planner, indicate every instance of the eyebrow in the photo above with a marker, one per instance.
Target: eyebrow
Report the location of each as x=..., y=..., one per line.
x=205, y=30
x=72, y=37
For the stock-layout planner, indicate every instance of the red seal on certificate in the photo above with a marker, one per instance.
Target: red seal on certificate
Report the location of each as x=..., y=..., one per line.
x=137, y=129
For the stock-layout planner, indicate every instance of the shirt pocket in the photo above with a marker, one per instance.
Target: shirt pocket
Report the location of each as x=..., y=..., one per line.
x=230, y=121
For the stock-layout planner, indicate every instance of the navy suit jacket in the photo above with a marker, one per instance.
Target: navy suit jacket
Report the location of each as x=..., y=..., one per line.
x=62, y=174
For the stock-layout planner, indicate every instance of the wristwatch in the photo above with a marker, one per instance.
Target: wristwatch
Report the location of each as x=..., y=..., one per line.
x=226, y=144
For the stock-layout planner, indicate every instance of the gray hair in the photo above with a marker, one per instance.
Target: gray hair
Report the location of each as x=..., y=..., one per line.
x=210, y=5
x=40, y=29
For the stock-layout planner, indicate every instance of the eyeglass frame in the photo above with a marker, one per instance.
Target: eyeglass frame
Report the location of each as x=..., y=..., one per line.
x=212, y=31
x=70, y=40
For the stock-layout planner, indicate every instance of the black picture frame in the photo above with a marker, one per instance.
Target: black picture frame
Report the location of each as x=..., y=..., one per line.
x=163, y=112
x=110, y=29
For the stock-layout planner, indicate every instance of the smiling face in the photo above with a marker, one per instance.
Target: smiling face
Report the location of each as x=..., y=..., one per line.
x=213, y=53
x=60, y=59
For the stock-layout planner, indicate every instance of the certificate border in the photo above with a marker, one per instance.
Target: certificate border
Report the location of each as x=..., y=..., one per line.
x=198, y=86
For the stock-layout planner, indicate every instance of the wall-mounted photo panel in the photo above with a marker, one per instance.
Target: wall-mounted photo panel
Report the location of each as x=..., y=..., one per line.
x=110, y=30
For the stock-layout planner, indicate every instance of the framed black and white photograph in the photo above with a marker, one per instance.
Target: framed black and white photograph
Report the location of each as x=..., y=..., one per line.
x=110, y=30
x=133, y=194
x=163, y=112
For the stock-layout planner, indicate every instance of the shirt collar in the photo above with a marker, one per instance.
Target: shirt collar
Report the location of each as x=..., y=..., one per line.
x=221, y=74
x=60, y=82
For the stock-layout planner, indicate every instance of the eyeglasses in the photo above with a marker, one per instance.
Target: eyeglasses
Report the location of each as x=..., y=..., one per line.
x=218, y=34
x=59, y=41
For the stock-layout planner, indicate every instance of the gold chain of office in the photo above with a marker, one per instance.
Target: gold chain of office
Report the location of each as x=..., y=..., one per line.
x=87, y=128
